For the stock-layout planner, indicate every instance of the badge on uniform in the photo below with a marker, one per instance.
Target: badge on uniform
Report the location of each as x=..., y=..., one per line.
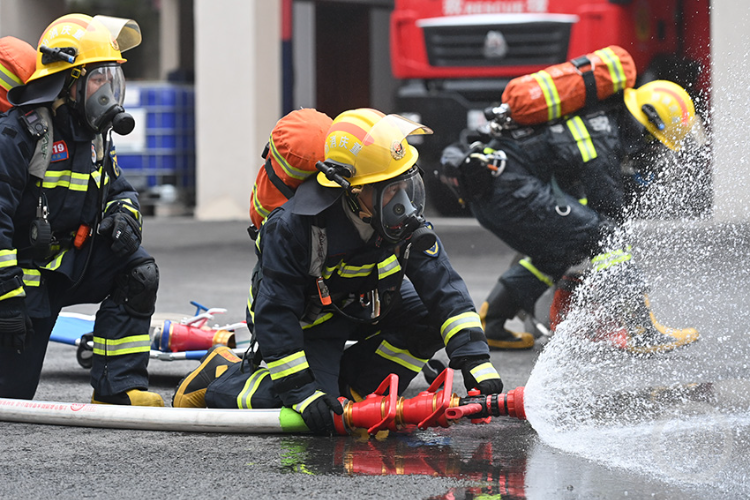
x=59, y=151
x=434, y=250
x=115, y=166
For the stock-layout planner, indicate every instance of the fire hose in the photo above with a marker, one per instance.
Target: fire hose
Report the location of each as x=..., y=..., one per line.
x=437, y=406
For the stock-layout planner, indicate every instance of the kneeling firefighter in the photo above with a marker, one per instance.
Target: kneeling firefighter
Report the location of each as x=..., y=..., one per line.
x=70, y=226
x=331, y=268
x=554, y=193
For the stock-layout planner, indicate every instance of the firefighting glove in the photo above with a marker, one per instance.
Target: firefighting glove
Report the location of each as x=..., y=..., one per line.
x=16, y=328
x=479, y=373
x=124, y=230
x=317, y=413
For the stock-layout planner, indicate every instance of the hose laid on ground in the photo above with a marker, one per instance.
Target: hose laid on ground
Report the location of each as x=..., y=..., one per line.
x=267, y=421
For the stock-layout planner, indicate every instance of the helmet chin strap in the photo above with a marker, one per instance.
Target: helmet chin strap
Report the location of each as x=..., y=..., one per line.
x=356, y=206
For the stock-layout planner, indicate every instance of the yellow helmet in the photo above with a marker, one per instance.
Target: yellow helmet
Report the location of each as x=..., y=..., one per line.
x=664, y=108
x=77, y=39
x=370, y=146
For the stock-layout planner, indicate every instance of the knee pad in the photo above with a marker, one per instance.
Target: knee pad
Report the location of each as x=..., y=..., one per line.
x=137, y=288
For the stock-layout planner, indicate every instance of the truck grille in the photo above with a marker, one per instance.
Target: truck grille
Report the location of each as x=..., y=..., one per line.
x=542, y=43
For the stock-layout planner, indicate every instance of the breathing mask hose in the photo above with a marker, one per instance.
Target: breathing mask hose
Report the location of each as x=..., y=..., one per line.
x=422, y=237
x=103, y=161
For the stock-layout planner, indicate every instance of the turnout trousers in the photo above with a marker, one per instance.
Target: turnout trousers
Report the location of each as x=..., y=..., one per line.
x=121, y=363
x=401, y=343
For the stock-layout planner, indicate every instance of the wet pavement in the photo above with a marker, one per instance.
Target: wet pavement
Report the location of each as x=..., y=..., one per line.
x=210, y=262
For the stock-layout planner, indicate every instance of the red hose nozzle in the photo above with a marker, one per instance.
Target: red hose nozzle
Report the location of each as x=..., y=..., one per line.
x=510, y=404
x=437, y=406
x=463, y=411
x=514, y=402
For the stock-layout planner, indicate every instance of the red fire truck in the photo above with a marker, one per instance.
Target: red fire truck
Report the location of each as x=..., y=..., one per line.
x=455, y=57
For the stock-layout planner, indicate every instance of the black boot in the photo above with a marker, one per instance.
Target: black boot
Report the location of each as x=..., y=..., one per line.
x=499, y=307
x=645, y=335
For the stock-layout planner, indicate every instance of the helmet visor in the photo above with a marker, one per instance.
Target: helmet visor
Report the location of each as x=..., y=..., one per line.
x=103, y=94
x=125, y=32
x=399, y=203
x=384, y=148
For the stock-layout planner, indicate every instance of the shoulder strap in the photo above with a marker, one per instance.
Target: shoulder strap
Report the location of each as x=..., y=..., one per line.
x=589, y=79
x=275, y=180
x=319, y=246
x=39, y=124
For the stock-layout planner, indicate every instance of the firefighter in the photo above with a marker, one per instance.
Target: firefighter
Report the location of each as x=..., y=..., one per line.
x=332, y=268
x=555, y=194
x=70, y=226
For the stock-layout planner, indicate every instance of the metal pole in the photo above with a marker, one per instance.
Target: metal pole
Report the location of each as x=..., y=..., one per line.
x=287, y=61
x=266, y=421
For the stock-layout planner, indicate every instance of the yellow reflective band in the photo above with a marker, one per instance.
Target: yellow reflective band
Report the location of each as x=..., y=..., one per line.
x=293, y=172
x=302, y=405
x=66, y=179
x=319, y=320
x=457, y=323
x=120, y=347
x=547, y=85
x=348, y=271
x=32, y=277
x=8, y=258
x=55, y=262
x=18, y=292
x=583, y=139
x=619, y=79
x=127, y=204
x=262, y=211
x=583, y=201
x=610, y=259
x=245, y=396
x=400, y=356
x=8, y=79
x=287, y=366
x=526, y=264
x=483, y=372
x=388, y=267
x=96, y=176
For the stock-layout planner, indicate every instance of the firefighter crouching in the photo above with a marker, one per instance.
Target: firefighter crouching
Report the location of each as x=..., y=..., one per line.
x=332, y=264
x=555, y=193
x=70, y=226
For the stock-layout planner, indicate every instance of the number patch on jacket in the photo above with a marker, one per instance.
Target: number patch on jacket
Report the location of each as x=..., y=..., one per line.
x=59, y=151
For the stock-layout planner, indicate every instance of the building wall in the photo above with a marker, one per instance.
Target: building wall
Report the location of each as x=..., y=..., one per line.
x=238, y=99
x=26, y=19
x=730, y=54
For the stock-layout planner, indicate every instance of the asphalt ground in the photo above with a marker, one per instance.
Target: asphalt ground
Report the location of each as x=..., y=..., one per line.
x=210, y=262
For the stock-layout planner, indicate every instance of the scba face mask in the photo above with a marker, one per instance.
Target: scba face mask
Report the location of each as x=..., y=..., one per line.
x=399, y=204
x=102, y=91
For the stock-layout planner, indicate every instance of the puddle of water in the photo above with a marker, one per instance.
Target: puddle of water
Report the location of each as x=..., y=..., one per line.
x=479, y=468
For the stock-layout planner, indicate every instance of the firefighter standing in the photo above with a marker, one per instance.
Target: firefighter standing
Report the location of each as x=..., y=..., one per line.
x=555, y=194
x=331, y=268
x=70, y=226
